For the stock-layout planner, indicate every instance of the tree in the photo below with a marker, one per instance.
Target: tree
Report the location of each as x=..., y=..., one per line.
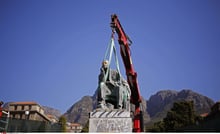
x=157, y=127
x=181, y=114
x=86, y=128
x=62, y=121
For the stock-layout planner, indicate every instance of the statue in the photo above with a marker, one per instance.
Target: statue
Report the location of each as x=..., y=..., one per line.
x=113, y=90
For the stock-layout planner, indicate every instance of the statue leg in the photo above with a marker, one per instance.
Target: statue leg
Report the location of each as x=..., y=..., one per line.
x=103, y=91
x=119, y=97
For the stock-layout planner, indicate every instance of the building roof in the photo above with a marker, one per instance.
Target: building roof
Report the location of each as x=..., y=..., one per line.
x=24, y=103
x=75, y=124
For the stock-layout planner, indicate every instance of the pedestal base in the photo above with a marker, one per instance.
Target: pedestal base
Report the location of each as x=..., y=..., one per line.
x=110, y=121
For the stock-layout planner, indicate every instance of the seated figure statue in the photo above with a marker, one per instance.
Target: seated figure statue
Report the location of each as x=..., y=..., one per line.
x=113, y=91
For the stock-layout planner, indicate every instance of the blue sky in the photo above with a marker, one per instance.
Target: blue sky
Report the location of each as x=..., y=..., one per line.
x=51, y=51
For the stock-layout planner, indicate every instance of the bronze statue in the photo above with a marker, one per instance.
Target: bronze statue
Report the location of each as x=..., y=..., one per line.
x=113, y=90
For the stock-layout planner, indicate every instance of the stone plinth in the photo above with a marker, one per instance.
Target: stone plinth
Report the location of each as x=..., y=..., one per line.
x=110, y=121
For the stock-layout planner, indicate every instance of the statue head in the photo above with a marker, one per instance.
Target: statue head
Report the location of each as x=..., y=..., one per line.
x=105, y=64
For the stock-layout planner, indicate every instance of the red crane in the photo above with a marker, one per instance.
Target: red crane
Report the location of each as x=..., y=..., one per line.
x=125, y=43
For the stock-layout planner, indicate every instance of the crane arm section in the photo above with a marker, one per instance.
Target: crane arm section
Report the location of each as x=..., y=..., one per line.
x=125, y=42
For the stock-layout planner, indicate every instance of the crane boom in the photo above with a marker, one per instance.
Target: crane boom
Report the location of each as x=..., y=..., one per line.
x=125, y=42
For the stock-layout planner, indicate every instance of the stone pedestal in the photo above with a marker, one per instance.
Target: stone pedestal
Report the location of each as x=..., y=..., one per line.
x=110, y=121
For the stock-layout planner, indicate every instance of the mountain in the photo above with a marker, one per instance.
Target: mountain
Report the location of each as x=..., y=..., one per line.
x=161, y=102
x=51, y=111
x=79, y=112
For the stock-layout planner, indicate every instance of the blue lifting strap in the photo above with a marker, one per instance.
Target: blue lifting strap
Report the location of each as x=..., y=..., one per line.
x=110, y=49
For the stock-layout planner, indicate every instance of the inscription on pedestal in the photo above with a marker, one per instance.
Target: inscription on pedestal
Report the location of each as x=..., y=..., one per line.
x=110, y=121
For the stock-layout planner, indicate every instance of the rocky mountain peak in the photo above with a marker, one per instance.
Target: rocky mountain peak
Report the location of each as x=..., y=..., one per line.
x=162, y=101
x=79, y=112
x=187, y=92
x=51, y=111
x=163, y=94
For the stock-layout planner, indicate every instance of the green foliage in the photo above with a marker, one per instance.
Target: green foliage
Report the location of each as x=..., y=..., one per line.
x=157, y=127
x=62, y=121
x=182, y=114
x=86, y=128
